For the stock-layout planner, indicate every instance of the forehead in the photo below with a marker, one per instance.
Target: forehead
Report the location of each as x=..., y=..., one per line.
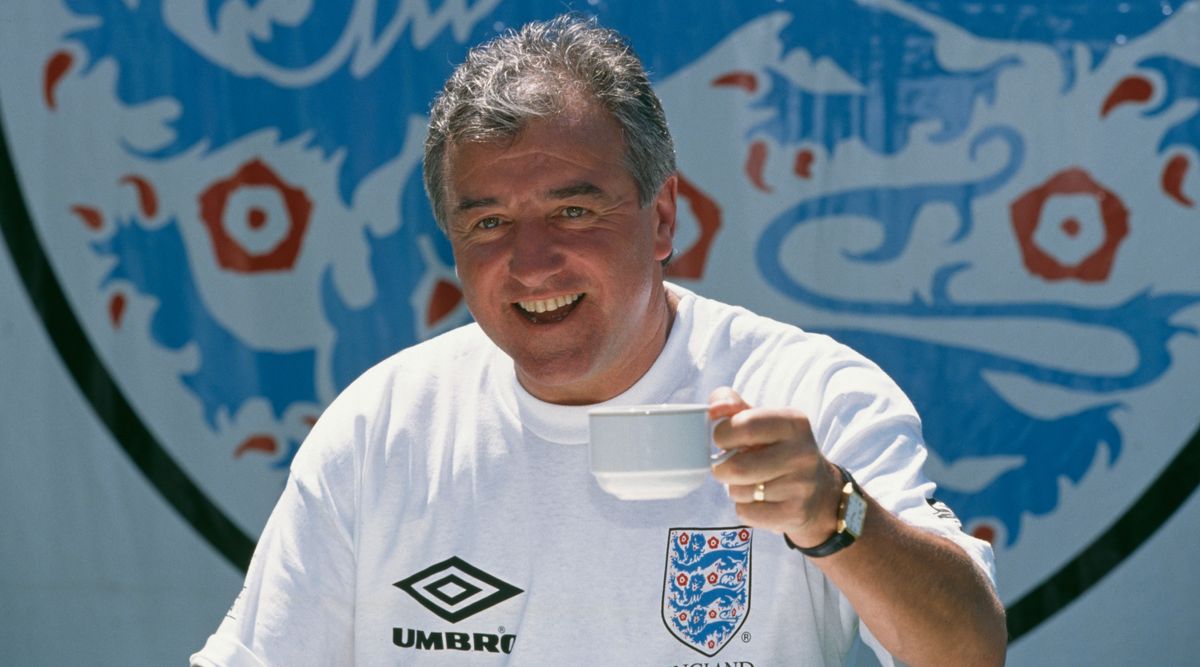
x=583, y=135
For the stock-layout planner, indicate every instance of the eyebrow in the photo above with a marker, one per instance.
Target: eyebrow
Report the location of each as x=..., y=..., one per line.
x=574, y=190
x=468, y=204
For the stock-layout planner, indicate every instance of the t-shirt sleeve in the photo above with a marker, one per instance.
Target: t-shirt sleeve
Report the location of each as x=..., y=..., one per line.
x=297, y=604
x=867, y=425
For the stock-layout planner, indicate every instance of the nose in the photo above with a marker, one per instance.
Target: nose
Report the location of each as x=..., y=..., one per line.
x=535, y=255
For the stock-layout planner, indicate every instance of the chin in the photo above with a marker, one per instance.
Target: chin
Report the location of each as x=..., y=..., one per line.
x=559, y=381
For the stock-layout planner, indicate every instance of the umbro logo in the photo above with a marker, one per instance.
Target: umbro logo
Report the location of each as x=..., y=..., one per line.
x=454, y=589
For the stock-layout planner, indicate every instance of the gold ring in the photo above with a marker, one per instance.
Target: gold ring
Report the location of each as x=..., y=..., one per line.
x=760, y=492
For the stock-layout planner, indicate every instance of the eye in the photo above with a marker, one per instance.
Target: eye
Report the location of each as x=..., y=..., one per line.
x=491, y=222
x=574, y=212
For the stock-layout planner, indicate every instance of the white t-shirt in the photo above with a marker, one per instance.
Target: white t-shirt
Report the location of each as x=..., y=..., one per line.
x=438, y=514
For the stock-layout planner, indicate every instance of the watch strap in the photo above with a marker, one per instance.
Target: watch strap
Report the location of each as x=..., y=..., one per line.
x=840, y=538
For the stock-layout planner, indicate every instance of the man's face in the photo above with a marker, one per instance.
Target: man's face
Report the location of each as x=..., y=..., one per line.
x=558, y=263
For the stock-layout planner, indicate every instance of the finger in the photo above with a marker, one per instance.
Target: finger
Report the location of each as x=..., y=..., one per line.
x=725, y=402
x=772, y=516
x=762, y=463
x=779, y=489
x=763, y=427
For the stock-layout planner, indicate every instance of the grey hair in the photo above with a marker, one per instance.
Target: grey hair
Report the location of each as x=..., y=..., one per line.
x=533, y=73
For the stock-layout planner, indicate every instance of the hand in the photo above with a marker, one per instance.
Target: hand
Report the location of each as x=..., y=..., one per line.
x=776, y=449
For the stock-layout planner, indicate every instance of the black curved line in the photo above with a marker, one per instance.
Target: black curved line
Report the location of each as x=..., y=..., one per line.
x=97, y=385
x=1147, y=514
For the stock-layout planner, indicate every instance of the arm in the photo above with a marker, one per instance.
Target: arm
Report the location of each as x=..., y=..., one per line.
x=921, y=595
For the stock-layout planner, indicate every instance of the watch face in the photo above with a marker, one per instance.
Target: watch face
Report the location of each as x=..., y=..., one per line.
x=856, y=511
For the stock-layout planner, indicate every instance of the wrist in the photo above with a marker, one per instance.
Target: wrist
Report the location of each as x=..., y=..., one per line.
x=823, y=519
x=848, y=522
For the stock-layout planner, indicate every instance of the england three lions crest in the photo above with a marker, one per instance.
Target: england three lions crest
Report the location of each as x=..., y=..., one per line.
x=706, y=589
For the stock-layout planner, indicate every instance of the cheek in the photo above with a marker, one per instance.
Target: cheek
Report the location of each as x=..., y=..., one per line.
x=476, y=299
x=473, y=266
x=474, y=286
x=482, y=276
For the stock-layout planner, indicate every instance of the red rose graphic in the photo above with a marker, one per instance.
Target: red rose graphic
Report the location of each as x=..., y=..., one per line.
x=1029, y=219
x=240, y=214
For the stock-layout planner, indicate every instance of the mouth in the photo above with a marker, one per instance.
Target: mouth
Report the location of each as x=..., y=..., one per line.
x=546, y=311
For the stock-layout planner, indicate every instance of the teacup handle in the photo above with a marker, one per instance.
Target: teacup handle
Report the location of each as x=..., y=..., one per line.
x=720, y=455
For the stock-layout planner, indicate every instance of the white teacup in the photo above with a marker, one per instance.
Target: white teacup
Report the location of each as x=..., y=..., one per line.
x=651, y=452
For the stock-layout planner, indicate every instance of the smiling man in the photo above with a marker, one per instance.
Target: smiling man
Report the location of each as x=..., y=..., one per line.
x=442, y=512
x=559, y=261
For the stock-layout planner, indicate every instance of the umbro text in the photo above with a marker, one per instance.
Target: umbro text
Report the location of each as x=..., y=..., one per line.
x=452, y=641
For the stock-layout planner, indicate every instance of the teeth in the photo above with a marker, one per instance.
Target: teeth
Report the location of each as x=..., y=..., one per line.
x=546, y=305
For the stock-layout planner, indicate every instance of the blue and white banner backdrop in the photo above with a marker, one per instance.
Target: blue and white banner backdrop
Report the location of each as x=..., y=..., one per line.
x=215, y=211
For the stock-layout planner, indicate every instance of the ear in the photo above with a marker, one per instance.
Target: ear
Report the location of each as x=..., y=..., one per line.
x=664, y=218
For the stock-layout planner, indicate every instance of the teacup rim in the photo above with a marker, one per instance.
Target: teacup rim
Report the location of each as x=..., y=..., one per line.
x=647, y=409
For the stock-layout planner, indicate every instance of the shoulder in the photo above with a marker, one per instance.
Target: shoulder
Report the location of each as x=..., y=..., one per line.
x=418, y=367
x=757, y=341
x=776, y=363
x=394, y=392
